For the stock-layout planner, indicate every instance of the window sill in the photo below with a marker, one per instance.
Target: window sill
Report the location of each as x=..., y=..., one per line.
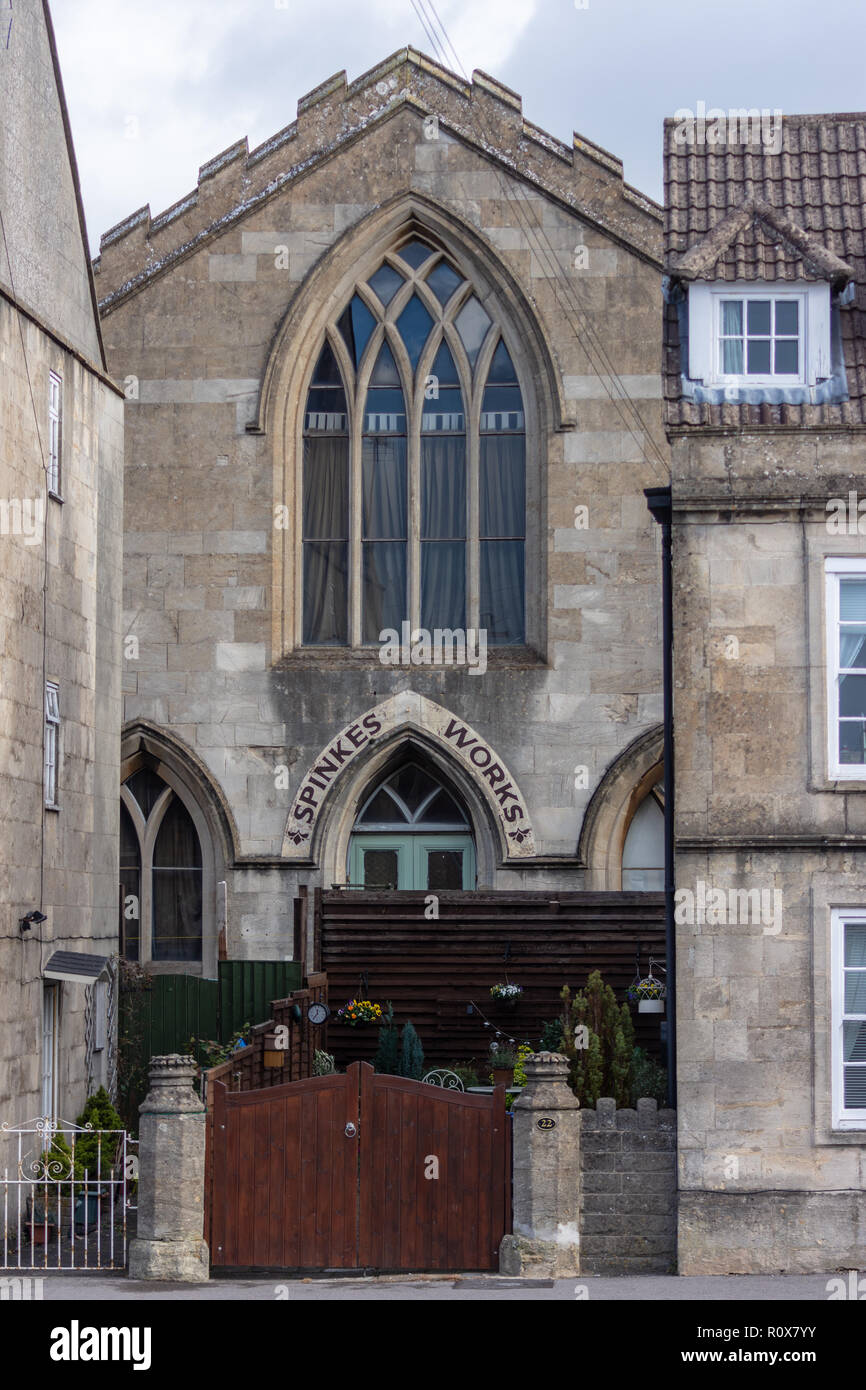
x=840, y=783
x=171, y=967
x=760, y=383
x=842, y=1132
x=368, y=657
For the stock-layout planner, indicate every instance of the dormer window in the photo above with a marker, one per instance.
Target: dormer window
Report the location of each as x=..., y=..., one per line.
x=760, y=338
x=754, y=336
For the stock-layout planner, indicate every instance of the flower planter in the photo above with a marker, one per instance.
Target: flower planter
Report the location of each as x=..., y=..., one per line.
x=358, y=1012
x=503, y=1076
x=507, y=1000
x=40, y=1233
x=649, y=994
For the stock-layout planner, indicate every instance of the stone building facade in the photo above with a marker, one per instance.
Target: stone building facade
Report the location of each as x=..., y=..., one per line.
x=765, y=387
x=397, y=372
x=61, y=479
x=411, y=235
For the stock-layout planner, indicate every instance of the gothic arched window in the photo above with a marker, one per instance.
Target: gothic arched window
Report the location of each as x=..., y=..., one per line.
x=414, y=486
x=161, y=873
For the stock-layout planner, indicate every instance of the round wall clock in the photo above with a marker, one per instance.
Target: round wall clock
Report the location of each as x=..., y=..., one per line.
x=318, y=1013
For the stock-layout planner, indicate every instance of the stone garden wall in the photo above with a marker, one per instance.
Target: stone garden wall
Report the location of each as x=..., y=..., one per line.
x=595, y=1191
x=628, y=1179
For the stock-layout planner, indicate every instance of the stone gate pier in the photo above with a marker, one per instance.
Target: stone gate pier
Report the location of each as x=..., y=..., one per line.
x=170, y=1241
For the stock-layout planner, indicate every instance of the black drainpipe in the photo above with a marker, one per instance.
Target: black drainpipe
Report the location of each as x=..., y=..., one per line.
x=659, y=503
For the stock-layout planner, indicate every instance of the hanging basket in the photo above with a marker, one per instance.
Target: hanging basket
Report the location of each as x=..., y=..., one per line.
x=506, y=996
x=359, y=1012
x=649, y=995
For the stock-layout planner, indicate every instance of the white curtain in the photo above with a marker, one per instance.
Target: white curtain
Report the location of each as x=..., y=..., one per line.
x=326, y=531
x=503, y=514
x=503, y=486
x=177, y=887
x=384, y=482
x=443, y=487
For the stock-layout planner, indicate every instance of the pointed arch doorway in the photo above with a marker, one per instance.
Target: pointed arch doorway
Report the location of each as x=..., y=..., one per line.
x=412, y=832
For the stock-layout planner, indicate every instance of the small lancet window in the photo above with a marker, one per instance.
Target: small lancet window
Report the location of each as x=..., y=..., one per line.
x=326, y=506
x=385, y=501
x=443, y=500
x=130, y=884
x=503, y=503
x=177, y=887
x=161, y=873
x=326, y=408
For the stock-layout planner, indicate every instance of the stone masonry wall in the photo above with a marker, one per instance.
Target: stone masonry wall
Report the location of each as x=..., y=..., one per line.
x=767, y=1180
x=628, y=1208
x=193, y=305
x=64, y=860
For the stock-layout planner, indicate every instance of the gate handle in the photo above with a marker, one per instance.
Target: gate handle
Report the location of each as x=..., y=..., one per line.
x=351, y=1130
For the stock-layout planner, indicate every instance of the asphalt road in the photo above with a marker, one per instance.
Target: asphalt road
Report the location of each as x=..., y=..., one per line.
x=82, y=1288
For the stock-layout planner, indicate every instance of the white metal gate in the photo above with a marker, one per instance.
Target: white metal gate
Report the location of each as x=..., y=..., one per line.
x=63, y=1195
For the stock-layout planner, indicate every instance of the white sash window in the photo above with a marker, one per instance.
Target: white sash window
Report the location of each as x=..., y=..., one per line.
x=849, y=1019
x=52, y=741
x=55, y=420
x=846, y=667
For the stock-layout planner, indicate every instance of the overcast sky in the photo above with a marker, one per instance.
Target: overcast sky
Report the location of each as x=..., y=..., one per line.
x=157, y=87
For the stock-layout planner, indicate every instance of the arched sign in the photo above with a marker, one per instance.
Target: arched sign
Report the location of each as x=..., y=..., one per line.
x=488, y=772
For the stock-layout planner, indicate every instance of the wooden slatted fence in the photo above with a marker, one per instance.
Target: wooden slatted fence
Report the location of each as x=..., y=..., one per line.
x=383, y=945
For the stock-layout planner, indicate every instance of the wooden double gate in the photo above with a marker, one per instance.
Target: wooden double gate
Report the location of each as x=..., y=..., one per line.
x=358, y=1172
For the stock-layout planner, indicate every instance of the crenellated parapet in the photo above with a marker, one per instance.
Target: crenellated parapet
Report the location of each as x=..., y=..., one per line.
x=482, y=113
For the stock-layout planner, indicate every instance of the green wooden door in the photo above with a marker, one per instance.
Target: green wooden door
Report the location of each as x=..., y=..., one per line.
x=404, y=861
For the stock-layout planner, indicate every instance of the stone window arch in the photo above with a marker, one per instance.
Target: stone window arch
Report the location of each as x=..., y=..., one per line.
x=172, y=874
x=623, y=826
x=413, y=488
